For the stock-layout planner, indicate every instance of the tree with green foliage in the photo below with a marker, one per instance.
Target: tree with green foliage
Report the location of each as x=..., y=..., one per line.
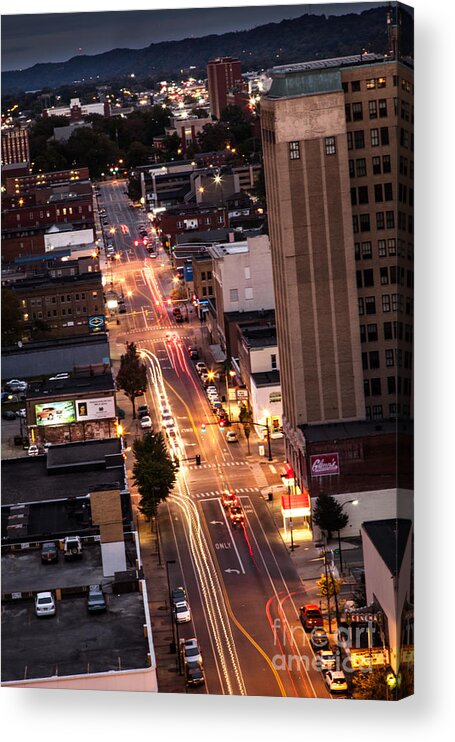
x=153, y=472
x=329, y=514
x=246, y=418
x=132, y=375
x=214, y=137
x=238, y=123
x=134, y=188
x=11, y=318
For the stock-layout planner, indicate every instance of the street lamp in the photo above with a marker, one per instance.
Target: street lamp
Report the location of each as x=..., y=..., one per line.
x=348, y=502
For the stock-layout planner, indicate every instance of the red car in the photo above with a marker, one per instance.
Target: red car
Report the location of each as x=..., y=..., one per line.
x=236, y=515
x=311, y=617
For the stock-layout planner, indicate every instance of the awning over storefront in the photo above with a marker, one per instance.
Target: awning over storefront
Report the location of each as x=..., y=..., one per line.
x=288, y=471
x=217, y=353
x=294, y=506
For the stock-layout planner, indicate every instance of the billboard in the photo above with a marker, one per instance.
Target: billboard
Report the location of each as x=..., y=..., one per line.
x=95, y=409
x=324, y=465
x=55, y=413
x=96, y=323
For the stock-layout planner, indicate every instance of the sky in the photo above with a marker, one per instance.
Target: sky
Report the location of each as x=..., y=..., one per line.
x=54, y=36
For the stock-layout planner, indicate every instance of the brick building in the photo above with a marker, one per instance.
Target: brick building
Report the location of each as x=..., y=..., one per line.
x=15, y=146
x=223, y=75
x=22, y=184
x=74, y=207
x=191, y=218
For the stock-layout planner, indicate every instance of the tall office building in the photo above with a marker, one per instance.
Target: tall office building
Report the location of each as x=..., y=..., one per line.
x=338, y=157
x=223, y=75
x=15, y=146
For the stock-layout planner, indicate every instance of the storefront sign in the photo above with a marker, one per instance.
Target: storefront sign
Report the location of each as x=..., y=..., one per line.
x=324, y=465
x=96, y=323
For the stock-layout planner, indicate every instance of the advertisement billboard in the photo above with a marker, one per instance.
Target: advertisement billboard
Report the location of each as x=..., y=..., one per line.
x=55, y=413
x=324, y=465
x=95, y=409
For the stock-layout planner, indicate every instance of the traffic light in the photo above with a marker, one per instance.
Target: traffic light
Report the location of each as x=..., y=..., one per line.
x=222, y=423
x=203, y=428
x=136, y=243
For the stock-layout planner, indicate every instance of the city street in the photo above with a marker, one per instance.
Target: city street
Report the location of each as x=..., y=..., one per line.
x=243, y=589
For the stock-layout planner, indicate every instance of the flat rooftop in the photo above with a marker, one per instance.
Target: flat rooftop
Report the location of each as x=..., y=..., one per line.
x=266, y=378
x=72, y=642
x=74, y=385
x=355, y=429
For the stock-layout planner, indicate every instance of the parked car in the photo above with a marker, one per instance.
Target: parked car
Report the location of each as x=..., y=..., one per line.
x=319, y=639
x=326, y=660
x=145, y=422
x=96, y=602
x=231, y=436
x=21, y=413
x=45, y=604
x=182, y=612
x=16, y=385
x=72, y=547
x=200, y=366
x=216, y=405
x=57, y=377
x=194, y=673
x=8, y=415
x=143, y=410
x=168, y=421
x=49, y=552
x=335, y=681
x=311, y=617
x=178, y=595
x=33, y=450
x=194, y=354
x=190, y=650
x=204, y=376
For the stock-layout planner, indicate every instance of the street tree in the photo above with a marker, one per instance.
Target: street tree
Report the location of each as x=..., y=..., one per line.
x=132, y=375
x=246, y=418
x=153, y=472
x=329, y=514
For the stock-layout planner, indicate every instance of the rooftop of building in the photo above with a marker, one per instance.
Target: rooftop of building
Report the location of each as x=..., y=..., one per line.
x=59, y=344
x=355, y=429
x=73, y=642
x=43, y=282
x=184, y=209
x=79, y=385
x=266, y=315
x=58, y=254
x=258, y=336
x=390, y=538
x=266, y=378
x=41, y=479
x=224, y=249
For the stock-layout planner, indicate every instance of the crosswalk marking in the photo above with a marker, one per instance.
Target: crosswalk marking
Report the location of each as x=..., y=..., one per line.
x=218, y=493
x=215, y=466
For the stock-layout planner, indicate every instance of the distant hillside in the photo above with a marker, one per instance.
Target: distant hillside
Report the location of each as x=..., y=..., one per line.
x=299, y=39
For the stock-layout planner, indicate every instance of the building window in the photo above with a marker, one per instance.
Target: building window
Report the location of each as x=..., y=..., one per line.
x=386, y=164
x=351, y=169
x=363, y=194
x=355, y=86
x=388, y=192
x=374, y=137
x=389, y=359
x=357, y=113
x=375, y=385
x=365, y=361
x=330, y=146
x=234, y=295
x=376, y=161
x=377, y=412
x=386, y=302
x=364, y=222
x=371, y=84
x=357, y=250
x=372, y=333
x=392, y=246
x=380, y=223
x=294, y=150
x=353, y=196
x=203, y=276
x=370, y=305
x=368, y=278
x=359, y=139
x=388, y=335
x=380, y=82
x=372, y=109
x=347, y=111
x=382, y=108
x=247, y=273
x=384, y=135
x=366, y=388
x=361, y=167
x=209, y=275
x=378, y=197
x=374, y=359
x=391, y=383
x=390, y=219
x=367, y=253
x=204, y=291
x=384, y=273
x=361, y=306
x=273, y=361
x=248, y=293
x=363, y=334
x=368, y=412
x=349, y=139
x=355, y=223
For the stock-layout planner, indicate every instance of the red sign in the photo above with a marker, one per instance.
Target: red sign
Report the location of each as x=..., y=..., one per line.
x=324, y=465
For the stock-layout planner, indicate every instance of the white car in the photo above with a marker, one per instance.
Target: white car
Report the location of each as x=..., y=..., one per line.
x=57, y=377
x=16, y=385
x=33, y=450
x=45, y=604
x=335, y=681
x=211, y=389
x=190, y=650
x=21, y=413
x=168, y=421
x=231, y=436
x=326, y=660
x=145, y=422
x=200, y=366
x=182, y=612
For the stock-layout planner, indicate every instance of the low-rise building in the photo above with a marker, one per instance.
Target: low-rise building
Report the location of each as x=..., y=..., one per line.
x=21, y=184
x=258, y=365
x=190, y=219
x=77, y=110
